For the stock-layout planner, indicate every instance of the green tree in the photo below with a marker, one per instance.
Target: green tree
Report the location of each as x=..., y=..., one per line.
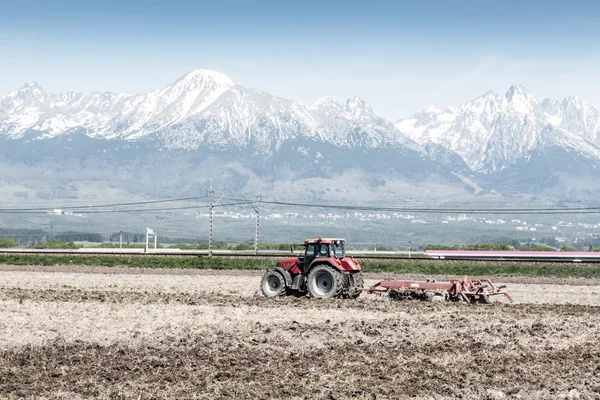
x=7, y=243
x=567, y=248
x=56, y=244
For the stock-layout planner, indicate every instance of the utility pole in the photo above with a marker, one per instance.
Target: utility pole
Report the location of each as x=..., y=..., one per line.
x=121, y=240
x=146, y=246
x=409, y=249
x=258, y=198
x=210, y=233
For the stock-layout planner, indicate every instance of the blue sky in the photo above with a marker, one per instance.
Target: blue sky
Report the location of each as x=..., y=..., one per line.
x=399, y=56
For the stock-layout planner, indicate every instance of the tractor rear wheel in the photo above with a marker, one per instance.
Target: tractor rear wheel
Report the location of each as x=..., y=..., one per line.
x=324, y=282
x=272, y=284
x=356, y=282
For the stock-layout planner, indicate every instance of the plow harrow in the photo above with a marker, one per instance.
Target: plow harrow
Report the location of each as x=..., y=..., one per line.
x=469, y=291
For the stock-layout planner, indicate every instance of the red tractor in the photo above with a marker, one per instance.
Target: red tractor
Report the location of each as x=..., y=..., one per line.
x=324, y=272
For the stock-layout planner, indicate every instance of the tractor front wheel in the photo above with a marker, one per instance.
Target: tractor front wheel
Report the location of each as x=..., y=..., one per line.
x=324, y=282
x=272, y=284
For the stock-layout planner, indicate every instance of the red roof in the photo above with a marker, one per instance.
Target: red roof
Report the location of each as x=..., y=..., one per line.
x=324, y=240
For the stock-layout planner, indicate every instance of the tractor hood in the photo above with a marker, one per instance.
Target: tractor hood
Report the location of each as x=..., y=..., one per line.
x=287, y=263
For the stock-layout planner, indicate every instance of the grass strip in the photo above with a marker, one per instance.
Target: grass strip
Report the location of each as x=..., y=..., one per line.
x=415, y=266
x=138, y=262
x=488, y=268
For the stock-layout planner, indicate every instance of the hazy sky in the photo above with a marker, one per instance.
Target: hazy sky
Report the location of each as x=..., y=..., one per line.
x=401, y=56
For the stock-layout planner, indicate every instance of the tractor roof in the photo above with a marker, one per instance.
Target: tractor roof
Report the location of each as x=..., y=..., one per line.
x=324, y=240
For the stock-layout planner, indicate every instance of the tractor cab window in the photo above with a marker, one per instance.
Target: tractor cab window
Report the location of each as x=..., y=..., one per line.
x=323, y=250
x=337, y=250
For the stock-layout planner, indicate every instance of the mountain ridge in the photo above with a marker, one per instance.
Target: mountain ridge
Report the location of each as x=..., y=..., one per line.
x=491, y=132
x=484, y=140
x=193, y=97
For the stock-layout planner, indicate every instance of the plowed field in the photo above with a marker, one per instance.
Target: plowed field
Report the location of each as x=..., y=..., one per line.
x=79, y=333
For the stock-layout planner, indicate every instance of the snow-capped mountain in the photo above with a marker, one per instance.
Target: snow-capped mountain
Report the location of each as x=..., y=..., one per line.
x=336, y=115
x=202, y=108
x=493, y=132
x=109, y=115
x=250, y=118
x=206, y=124
x=490, y=142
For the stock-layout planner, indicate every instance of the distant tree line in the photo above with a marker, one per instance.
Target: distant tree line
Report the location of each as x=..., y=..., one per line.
x=133, y=237
x=32, y=237
x=238, y=246
x=56, y=244
x=40, y=238
x=485, y=246
x=500, y=247
x=35, y=237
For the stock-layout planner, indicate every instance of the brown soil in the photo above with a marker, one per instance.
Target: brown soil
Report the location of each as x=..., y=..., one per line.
x=154, y=341
x=82, y=269
x=262, y=365
x=356, y=359
x=365, y=303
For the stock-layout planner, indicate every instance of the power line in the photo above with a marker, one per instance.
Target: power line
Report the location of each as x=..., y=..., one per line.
x=125, y=210
x=156, y=209
x=348, y=207
x=441, y=210
x=67, y=207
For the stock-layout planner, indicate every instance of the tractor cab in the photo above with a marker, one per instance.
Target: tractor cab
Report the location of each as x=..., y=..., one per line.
x=324, y=248
x=321, y=248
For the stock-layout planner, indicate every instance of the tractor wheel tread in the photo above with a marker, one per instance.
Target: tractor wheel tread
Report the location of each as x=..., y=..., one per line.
x=337, y=281
x=273, y=284
x=356, y=281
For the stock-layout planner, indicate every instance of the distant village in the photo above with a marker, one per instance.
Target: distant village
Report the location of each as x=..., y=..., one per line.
x=286, y=217
x=519, y=224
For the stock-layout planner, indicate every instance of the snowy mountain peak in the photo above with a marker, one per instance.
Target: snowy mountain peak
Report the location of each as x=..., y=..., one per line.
x=517, y=90
x=518, y=93
x=356, y=102
x=326, y=102
x=206, y=75
x=26, y=100
x=489, y=97
x=572, y=98
x=519, y=99
x=28, y=89
x=572, y=101
x=492, y=132
x=354, y=108
x=357, y=108
x=32, y=86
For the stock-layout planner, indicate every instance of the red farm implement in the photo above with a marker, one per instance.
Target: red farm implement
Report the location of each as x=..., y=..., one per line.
x=470, y=291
